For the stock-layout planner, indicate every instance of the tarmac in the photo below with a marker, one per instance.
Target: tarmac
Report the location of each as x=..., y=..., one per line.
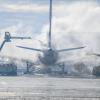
x=49, y=88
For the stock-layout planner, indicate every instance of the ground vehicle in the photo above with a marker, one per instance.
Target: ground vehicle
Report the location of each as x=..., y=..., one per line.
x=9, y=69
x=96, y=71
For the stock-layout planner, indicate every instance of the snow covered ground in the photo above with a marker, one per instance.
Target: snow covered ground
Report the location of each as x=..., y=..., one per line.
x=49, y=88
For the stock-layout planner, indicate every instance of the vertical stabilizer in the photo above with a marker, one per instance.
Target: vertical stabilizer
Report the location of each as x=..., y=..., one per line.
x=50, y=24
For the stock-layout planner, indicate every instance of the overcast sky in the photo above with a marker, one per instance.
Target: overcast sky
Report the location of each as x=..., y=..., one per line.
x=75, y=23
x=33, y=14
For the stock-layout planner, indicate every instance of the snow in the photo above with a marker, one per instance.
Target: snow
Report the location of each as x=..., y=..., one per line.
x=37, y=88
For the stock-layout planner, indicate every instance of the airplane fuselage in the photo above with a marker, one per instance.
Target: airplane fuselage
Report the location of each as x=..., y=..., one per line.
x=49, y=57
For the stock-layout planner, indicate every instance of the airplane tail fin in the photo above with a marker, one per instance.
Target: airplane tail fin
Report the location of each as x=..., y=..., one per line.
x=50, y=24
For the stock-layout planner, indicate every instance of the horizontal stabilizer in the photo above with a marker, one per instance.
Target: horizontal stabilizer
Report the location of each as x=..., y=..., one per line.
x=69, y=49
x=34, y=49
x=95, y=54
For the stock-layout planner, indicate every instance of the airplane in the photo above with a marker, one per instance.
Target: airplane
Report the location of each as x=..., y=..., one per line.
x=49, y=56
x=8, y=37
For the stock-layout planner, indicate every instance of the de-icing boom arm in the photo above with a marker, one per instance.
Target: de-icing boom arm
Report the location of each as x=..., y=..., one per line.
x=2, y=45
x=8, y=37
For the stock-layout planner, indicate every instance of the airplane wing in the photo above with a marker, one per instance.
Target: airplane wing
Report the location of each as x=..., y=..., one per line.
x=2, y=45
x=20, y=37
x=69, y=49
x=34, y=49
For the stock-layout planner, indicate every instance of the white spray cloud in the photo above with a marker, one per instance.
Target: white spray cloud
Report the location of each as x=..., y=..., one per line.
x=74, y=25
x=10, y=48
